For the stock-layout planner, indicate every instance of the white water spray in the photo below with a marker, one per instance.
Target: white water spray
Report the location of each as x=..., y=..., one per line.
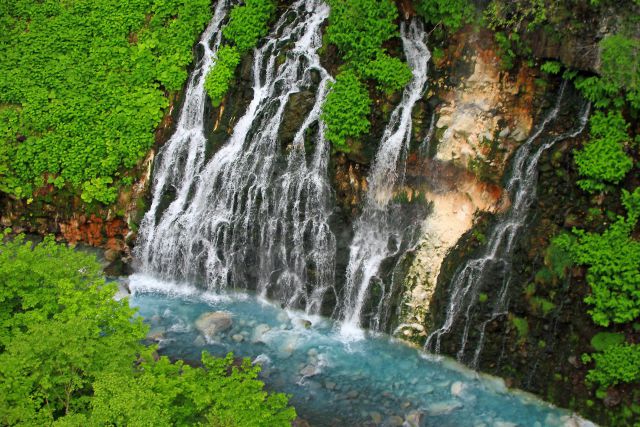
x=249, y=217
x=378, y=235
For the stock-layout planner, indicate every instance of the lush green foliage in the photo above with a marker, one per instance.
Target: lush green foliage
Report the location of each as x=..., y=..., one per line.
x=248, y=23
x=359, y=28
x=551, y=67
x=617, y=364
x=222, y=74
x=620, y=79
x=346, y=109
x=83, y=84
x=60, y=329
x=613, y=258
x=603, y=159
x=70, y=353
x=164, y=393
x=391, y=73
x=453, y=14
x=515, y=15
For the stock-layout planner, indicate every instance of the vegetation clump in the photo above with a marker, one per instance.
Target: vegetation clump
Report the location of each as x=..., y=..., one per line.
x=346, y=109
x=453, y=14
x=222, y=75
x=70, y=354
x=603, y=159
x=613, y=258
x=358, y=28
x=617, y=364
x=248, y=23
x=84, y=84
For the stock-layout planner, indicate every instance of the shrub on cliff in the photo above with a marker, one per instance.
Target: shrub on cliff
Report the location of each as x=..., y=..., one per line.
x=346, y=110
x=359, y=28
x=248, y=23
x=71, y=354
x=222, y=73
x=616, y=364
x=620, y=79
x=391, y=73
x=453, y=14
x=613, y=260
x=603, y=159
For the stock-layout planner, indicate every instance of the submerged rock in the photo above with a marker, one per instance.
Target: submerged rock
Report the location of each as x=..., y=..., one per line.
x=394, y=421
x=259, y=331
x=211, y=324
x=303, y=323
x=457, y=388
x=443, y=408
x=309, y=371
x=413, y=419
x=156, y=335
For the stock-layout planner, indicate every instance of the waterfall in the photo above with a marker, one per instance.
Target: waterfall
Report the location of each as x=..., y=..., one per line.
x=497, y=254
x=250, y=216
x=378, y=234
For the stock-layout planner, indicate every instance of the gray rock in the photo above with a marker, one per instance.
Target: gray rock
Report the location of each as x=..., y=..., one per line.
x=376, y=417
x=330, y=385
x=211, y=324
x=303, y=323
x=310, y=371
x=199, y=341
x=259, y=331
x=238, y=338
x=443, y=408
x=413, y=419
x=394, y=421
x=156, y=334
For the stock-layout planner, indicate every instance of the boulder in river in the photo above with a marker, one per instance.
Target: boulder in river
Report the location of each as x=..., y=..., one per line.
x=259, y=331
x=443, y=408
x=413, y=419
x=211, y=324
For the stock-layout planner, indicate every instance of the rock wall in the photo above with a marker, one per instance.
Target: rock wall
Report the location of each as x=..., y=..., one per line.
x=483, y=115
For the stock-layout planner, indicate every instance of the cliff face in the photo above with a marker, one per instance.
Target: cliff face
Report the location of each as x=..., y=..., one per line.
x=483, y=114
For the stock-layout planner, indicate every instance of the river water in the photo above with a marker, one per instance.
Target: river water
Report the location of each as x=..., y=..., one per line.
x=332, y=382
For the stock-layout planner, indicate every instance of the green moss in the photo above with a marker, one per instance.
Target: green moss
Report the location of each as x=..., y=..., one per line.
x=603, y=340
x=522, y=327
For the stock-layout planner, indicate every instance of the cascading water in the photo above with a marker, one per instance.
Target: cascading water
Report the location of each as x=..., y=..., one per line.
x=378, y=234
x=497, y=254
x=250, y=216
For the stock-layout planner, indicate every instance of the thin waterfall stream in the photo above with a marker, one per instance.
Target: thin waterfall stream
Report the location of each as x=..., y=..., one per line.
x=237, y=209
x=378, y=234
x=497, y=254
